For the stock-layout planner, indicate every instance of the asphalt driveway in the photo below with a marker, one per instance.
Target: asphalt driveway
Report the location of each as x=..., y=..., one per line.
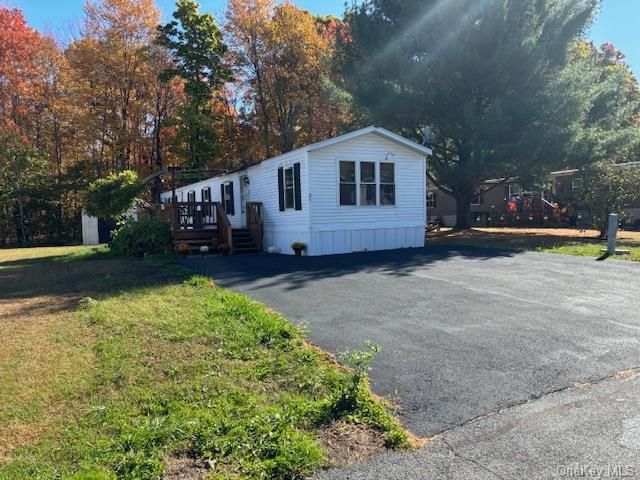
x=465, y=331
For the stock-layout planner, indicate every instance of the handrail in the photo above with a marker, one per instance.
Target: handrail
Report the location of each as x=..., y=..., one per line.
x=548, y=202
x=189, y=215
x=225, y=232
x=255, y=224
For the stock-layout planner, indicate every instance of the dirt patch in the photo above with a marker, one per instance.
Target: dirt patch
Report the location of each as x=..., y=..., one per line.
x=566, y=233
x=184, y=468
x=346, y=443
x=561, y=232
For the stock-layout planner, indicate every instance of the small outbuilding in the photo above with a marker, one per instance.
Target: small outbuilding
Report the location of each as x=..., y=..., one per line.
x=97, y=231
x=362, y=191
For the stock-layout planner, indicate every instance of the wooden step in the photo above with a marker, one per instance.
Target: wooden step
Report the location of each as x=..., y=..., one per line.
x=243, y=242
x=242, y=235
x=194, y=234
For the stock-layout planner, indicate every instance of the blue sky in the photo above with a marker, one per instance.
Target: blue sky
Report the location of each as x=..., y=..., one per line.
x=618, y=23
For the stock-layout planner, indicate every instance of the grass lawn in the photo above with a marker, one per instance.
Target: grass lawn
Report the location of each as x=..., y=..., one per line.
x=114, y=368
x=561, y=241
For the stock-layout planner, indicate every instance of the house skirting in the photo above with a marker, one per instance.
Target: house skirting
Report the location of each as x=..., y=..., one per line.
x=333, y=242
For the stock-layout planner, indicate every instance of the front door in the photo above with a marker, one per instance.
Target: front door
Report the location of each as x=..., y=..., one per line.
x=244, y=198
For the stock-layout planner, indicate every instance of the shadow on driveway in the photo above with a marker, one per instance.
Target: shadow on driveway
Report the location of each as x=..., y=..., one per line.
x=297, y=272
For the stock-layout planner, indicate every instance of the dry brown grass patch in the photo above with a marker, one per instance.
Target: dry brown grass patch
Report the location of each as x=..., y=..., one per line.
x=346, y=443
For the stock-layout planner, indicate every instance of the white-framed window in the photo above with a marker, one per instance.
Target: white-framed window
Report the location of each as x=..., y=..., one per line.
x=387, y=183
x=244, y=190
x=227, y=200
x=577, y=184
x=191, y=196
x=432, y=200
x=347, y=183
x=206, y=198
x=366, y=183
x=476, y=199
x=289, y=189
x=514, y=190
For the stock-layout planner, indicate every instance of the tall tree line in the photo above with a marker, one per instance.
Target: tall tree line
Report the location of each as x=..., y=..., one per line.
x=505, y=87
x=132, y=94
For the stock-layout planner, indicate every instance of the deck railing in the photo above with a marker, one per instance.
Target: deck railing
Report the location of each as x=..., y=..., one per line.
x=254, y=222
x=528, y=209
x=225, y=232
x=190, y=215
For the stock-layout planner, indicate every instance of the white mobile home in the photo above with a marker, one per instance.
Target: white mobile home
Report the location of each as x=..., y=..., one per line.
x=365, y=190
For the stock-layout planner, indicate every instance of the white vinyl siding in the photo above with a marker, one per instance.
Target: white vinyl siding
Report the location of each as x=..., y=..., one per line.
x=410, y=185
x=399, y=218
x=281, y=228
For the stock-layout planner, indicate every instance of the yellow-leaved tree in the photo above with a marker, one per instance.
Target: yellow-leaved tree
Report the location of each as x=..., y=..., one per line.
x=282, y=56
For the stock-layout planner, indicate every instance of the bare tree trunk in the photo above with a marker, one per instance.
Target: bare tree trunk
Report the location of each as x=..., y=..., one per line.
x=262, y=101
x=463, y=212
x=23, y=236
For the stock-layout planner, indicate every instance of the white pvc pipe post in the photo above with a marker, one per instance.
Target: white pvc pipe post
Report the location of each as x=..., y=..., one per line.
x=613, y=233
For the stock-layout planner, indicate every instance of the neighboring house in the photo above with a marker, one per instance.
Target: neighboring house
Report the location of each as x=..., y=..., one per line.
x=443, y=206
x=564, y=184
x=361, y=191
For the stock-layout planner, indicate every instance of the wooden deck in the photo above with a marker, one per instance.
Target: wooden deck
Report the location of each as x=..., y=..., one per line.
x=522, y=211
x=199, y=224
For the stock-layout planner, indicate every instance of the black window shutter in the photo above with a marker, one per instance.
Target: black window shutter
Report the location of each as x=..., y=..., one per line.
x=297, y=193
x=232, y=205
x=281, y=188
x=224, y=207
